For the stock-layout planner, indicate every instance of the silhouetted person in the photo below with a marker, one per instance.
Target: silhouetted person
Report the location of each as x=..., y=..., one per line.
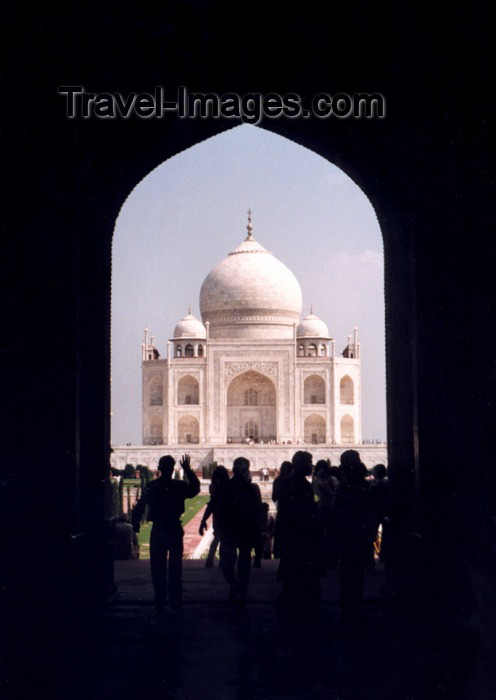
x=284, y=473
x=324, y=486
x=268, y=524
x=336, y=473
x=263, y=548
x=353, y=512
x=165, y=498
x=298, y=536
x=379, y=493
x=125, y=541
x=277, y=486
x=220, y=476
x=239, y=506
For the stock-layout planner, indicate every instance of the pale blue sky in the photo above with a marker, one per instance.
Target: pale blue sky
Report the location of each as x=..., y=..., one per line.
x=188, y=213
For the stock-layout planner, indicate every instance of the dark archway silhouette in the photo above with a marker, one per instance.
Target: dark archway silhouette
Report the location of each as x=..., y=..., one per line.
x=421, y=169
x=105, y=182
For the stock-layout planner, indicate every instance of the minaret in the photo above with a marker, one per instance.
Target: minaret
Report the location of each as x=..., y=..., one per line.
x=144, y=346
x=148, y=349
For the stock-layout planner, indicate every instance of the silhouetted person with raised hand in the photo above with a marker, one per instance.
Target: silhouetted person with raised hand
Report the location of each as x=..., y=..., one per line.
x=353, y=516
x=220, y=477
x=165, y=498
x=239, y=509
x=298, y=537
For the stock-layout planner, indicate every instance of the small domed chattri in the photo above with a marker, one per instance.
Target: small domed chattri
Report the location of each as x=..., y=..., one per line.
x=312, y=327
x=190, y=327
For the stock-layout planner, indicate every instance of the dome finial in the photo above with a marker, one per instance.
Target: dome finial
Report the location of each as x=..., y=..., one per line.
x=311, y=308
x=249, y=227
x=189, y=309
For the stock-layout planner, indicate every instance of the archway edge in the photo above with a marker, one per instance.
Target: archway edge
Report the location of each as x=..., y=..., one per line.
x=360, y=154
x=110, y=171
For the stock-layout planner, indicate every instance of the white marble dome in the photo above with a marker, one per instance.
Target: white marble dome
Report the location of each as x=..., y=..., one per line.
x=190, y=327
x=251, y=294
x=312, y=327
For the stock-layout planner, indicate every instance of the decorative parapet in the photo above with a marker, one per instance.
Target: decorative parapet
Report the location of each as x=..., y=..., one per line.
x=217, y=318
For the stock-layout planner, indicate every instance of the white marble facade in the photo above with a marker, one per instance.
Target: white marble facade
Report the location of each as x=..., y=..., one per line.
x=251, y=372
x=270, y=456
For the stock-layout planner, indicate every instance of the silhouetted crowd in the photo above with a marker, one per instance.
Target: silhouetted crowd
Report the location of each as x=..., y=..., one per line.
x=326, y=516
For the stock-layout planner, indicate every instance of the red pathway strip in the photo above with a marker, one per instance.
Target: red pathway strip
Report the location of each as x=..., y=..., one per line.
x=191, y=536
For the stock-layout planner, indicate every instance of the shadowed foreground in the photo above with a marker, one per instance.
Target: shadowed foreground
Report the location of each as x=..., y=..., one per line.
x=211, y=649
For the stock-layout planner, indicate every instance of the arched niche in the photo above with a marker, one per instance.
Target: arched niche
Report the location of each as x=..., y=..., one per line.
x=314, y=390
x=188, y=391
x=314, y=429
x=156, y=392
x=188, y=430
x=347, y=426
x=156, y=430
x=251, y=396
x=346, y=390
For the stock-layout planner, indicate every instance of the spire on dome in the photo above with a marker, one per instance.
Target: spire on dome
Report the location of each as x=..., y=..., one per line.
x=249, y=227
x=311, y=309
x=189, y=309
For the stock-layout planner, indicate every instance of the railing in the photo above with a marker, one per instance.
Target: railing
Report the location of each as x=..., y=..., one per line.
x=267, y=442
x=245, y=441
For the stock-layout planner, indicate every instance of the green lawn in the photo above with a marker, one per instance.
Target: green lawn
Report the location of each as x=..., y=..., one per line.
x=192, y=506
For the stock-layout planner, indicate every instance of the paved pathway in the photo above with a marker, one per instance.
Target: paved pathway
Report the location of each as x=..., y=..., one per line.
x=193, y=543
x=191, y=536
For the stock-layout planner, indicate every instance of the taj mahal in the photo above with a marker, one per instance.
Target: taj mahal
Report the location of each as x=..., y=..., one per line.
x=252, y=377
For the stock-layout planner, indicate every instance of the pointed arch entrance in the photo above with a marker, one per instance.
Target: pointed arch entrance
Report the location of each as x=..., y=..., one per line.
x=251, y=411
x=315, y=427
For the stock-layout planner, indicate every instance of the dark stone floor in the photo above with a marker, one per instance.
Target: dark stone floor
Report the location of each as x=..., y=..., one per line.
x=210, y=650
